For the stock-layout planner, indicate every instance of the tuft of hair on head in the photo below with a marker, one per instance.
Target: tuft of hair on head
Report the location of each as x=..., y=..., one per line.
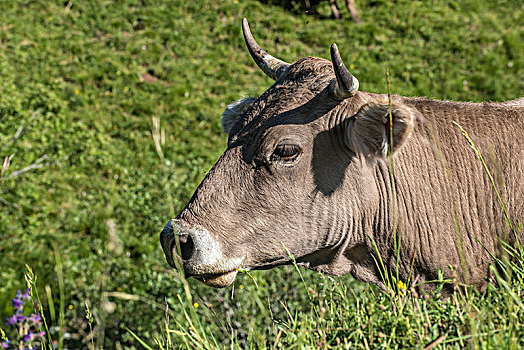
x=234, y=111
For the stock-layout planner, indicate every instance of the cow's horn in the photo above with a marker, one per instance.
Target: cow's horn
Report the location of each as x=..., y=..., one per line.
x=347, y=84
x=273, y=67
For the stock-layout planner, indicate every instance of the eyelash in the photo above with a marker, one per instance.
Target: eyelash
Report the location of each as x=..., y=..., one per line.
x=286, y=153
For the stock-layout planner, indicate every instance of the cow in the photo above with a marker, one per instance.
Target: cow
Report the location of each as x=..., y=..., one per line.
x=341, y=181
x=350, y=4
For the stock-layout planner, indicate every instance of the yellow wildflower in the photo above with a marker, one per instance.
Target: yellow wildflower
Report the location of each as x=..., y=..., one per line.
x=401, y=288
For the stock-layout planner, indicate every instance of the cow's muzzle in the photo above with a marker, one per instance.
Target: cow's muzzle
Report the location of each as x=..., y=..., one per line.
x=198, y=253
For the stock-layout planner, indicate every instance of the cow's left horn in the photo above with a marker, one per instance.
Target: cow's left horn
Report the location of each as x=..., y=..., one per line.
x=346, y=84
x=273, y=67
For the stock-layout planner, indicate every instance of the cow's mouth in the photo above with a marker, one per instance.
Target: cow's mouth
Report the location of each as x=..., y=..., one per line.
x=218, y=280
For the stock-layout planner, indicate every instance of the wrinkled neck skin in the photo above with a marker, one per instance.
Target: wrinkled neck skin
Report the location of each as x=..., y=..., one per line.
x=364, y=230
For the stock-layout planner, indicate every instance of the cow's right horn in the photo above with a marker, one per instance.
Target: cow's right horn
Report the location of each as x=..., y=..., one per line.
x=346, y=84
x=273, y=67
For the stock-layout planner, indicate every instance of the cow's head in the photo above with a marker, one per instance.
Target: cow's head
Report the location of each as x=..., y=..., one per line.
x=296, y=179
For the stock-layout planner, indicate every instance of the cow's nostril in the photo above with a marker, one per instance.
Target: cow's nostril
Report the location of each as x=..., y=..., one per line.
x=187, y=247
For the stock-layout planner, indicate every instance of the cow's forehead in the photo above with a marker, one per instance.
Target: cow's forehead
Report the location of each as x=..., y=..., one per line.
x=295, y=98
x=312, y=69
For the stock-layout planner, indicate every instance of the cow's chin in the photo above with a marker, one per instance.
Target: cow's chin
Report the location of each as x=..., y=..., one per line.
x=218, y=280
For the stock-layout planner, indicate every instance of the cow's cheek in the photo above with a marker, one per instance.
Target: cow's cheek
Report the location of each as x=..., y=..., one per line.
x=282, y=219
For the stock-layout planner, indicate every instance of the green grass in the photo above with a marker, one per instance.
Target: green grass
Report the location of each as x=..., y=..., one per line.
x=74, y=76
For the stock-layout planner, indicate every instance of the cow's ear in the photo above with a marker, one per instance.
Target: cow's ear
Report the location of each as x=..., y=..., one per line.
x=233, y=112
x=369, y=131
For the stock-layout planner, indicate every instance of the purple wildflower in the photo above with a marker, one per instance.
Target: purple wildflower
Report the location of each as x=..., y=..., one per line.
x=36, y=318
x=29, y=337
x=11, y=320
x=30, y=323
x=18, y=303
x=26, y=294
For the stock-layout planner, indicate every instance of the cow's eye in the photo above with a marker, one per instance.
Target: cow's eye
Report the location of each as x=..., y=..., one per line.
x=286, y=153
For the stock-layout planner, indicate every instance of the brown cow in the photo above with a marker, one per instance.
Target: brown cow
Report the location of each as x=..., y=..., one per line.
x=350, y=4
x=307, y=172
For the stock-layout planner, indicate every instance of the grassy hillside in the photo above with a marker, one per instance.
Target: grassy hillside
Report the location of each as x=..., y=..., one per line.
x=81, y=85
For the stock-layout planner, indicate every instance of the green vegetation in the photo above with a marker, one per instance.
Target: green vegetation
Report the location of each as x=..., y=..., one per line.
x=85, y=84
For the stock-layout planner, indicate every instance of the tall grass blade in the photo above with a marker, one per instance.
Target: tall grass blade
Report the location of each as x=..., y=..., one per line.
x=31, y=278
x=296, y=267
x=507, y=288
x=144, y=344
